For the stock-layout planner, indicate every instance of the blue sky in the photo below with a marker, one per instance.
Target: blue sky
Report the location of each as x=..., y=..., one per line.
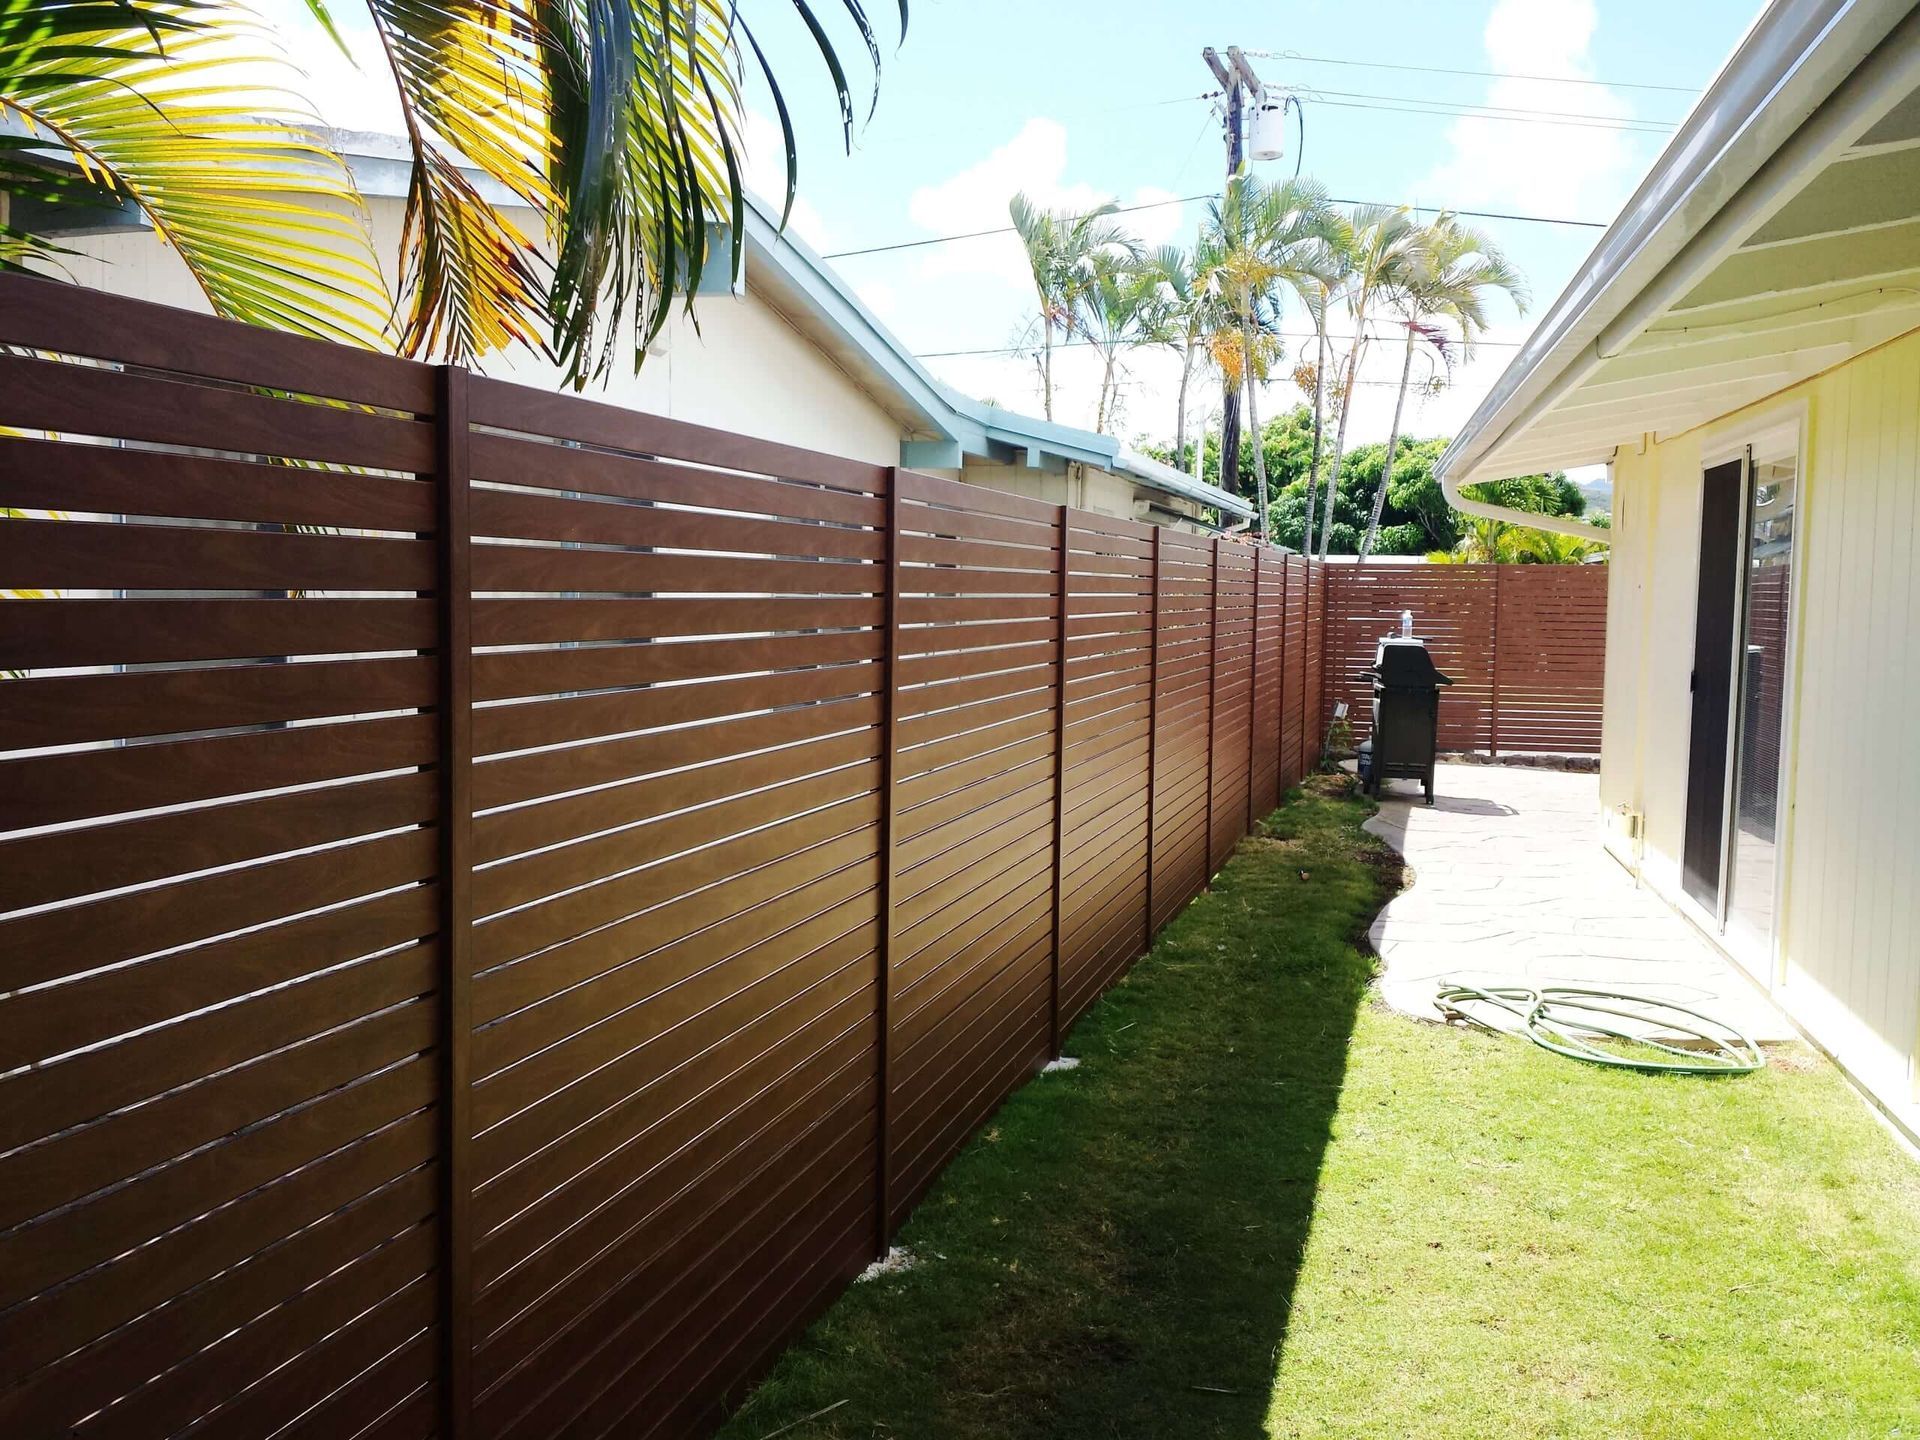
x=1076, y=101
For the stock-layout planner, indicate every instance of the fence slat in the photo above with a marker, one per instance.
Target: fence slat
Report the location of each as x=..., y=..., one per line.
x=890, y=850
x=455, y=765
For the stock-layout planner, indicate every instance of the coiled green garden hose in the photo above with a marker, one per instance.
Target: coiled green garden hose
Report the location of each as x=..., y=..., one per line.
x=1550, y=1017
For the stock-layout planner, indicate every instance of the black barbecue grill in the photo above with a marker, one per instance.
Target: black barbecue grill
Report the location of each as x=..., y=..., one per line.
x=1406, y=715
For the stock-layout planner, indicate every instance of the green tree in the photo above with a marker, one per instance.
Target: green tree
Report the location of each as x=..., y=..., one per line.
x=1449, y=276
x=1286, y=449
x=1416, y=517
x=617, y=122
x=1411, y=524
x=1483, y=541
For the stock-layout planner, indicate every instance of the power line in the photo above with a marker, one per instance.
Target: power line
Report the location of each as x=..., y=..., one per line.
x=1192, y=199
x=1475, y=109
x=1629, y=127
x=1003, y=229
x=1089, y=344
x=1478, y=74
x=1500, y=111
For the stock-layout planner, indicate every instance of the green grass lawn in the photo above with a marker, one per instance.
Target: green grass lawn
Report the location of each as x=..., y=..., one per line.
x=1265, y=1206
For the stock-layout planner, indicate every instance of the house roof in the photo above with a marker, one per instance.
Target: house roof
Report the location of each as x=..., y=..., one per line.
x=1778, y=235
x=948, y=424
x=940, y=425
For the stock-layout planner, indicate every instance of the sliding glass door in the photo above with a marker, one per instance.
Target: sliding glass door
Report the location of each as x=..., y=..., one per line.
x=1755, y=820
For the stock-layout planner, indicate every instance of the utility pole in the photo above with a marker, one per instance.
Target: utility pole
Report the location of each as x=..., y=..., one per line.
x=1237, y=81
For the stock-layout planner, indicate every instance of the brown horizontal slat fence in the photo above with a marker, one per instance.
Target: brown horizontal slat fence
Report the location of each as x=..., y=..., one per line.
x=1525, y=646
x=507, y=902
x=1550, y=659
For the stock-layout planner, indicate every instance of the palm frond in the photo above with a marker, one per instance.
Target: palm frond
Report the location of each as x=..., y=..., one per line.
x=649, y=204
x=471, y=78
x=157, y=101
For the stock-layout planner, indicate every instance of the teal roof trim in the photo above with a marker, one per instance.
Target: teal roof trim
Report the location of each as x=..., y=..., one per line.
x=785, y=266
x=976, y=427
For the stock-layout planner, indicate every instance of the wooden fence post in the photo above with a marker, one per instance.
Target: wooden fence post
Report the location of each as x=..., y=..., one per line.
x=1153, y=726
x=1213, y=692
x=889, y=875
x=1059, y=791
x=1306, y=647
x=1253, y=686
x=1280, y=690
x=455, y=611
x=1493, y=664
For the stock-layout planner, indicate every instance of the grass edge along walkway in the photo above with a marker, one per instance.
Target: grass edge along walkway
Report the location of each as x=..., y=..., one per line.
x=1263, y=1205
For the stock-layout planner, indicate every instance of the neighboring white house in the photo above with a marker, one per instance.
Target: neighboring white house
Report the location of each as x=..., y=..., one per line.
x=1741, y=348
x=786, y=353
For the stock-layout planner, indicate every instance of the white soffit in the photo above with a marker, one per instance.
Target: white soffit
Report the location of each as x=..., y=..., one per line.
x=1828, y=266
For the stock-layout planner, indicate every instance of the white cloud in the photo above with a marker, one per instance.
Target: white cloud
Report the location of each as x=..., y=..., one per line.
x=1033, y=161
x=1576, y=170
x=992, y=270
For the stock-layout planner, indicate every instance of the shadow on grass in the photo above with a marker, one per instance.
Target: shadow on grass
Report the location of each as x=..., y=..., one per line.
x=1115, y=1255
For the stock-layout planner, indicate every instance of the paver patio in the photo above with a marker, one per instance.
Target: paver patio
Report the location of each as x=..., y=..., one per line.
x=1511, y=886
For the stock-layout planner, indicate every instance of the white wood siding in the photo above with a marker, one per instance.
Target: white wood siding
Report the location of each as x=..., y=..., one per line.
x=1848, y=968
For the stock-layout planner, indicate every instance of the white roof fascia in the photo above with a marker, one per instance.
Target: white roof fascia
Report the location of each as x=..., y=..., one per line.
x=1162, y=476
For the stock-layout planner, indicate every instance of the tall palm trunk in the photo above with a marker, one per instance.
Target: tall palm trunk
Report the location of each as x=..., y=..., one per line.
x=1046, y=368
x=1393, y=444
x=1319, y=420
x=1107, y=395
x=1180, y=408
x=1253, y=431
x=1340, y=440
x=1229, y=476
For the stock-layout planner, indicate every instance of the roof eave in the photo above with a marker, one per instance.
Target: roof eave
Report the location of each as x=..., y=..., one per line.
x=1767, y=120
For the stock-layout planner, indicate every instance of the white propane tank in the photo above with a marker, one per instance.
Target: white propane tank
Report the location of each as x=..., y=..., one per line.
x=1267, y=131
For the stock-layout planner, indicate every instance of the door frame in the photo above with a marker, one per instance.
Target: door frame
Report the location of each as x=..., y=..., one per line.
x=1730, y=450
x=1764, y=431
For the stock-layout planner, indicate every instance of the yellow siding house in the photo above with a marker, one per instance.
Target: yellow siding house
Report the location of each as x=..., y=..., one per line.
x=1743, y=349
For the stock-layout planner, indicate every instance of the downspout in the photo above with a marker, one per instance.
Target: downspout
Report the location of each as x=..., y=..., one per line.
x=1532, y=520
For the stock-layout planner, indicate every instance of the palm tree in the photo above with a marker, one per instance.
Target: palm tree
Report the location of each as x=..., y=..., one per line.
x=1547, y=547
x=1191, y=312
x=1063, y=249
x=1385, y=239
x=1497, y=542
x=1332, y=269
x=1482, y=542
x=1452, y=272
x=1122, y=307
x=1267, y=237
x=617, y=122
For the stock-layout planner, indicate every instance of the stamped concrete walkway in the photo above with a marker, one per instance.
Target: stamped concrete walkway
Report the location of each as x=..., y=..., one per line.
x=1510, y=886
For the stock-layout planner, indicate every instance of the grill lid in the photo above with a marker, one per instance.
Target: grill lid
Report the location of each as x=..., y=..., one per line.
x=1405, y=663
